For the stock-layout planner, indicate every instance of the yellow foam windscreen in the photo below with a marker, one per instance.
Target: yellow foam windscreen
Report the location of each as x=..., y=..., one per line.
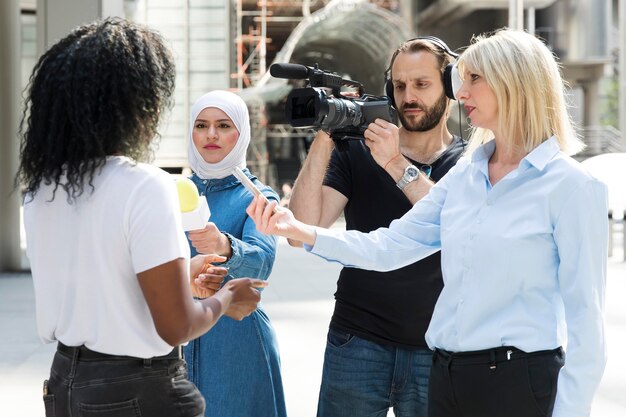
x=188, y=196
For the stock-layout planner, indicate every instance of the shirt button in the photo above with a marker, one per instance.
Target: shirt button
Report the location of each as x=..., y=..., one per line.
x=461, y=301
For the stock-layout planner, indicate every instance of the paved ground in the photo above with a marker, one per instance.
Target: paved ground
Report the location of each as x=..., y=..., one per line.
x=299, y=302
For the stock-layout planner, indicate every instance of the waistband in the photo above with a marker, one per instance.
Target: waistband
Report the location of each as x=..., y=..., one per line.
x=491, y=356
x=86, y=354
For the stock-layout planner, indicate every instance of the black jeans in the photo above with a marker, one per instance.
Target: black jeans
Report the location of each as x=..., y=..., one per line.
x=84, y=383
x=502, y=382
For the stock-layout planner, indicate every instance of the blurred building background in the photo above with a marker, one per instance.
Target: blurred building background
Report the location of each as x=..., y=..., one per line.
x=230, y=44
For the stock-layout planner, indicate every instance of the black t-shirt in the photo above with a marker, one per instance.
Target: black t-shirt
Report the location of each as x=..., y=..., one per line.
x=392, y=308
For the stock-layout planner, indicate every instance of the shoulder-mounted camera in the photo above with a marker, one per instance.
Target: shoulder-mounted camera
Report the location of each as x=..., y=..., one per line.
x=321, y=104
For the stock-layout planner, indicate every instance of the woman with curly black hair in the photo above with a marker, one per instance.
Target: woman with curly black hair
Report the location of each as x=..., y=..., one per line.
x=109, y=259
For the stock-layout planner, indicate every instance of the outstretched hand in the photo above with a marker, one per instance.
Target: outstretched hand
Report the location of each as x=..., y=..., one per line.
x=273, y=220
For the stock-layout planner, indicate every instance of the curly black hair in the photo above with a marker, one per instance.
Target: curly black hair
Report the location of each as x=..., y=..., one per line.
x=97, y=92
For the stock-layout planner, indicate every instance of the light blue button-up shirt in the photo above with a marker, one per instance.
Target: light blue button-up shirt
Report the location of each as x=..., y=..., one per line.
x=524, y=261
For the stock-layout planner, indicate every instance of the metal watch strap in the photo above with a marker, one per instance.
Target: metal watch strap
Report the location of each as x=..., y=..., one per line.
x=407, y=178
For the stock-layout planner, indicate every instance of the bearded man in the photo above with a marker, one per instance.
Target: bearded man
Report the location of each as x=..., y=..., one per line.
x=376, y=356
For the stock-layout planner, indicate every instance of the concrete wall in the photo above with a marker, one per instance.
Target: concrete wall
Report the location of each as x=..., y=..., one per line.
x=10, y=252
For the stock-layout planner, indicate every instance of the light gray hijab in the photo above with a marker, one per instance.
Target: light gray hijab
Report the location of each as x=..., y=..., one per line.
x=236, y=109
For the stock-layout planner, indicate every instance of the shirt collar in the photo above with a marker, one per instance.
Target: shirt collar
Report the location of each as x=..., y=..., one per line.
x=542, y=154
x=538, y=157
x=216, y=184
x=484, y=151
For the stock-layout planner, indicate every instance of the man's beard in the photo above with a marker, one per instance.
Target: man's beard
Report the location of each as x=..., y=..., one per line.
x=431, y=117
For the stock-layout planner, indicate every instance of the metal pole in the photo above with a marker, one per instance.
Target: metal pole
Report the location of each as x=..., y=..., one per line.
x=622, y=70
x=624, y=234
x=263, y=40
x=516, y=14
x=10, y=46
x=239, y=40
x=611, y=222
x=530, y=20
x=408, y=12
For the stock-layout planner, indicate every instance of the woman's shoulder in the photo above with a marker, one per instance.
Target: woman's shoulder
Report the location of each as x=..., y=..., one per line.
x=570, y=176
x=571, y=169
x=134, y=174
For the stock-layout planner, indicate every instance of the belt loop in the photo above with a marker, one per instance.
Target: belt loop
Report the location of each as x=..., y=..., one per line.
x=75, y=356
x=147, y=363
x=446, y=357
x=492, y=355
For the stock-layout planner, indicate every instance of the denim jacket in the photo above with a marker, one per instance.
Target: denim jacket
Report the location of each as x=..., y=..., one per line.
x=253, y=252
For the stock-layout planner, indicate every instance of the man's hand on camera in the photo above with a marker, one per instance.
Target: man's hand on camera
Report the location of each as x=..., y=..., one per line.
x=383, y=139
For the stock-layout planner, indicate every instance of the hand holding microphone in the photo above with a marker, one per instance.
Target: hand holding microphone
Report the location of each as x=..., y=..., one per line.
x=195, y=211
x=204, y=236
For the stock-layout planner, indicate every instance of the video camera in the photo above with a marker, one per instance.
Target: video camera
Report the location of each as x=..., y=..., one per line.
x=342, y=117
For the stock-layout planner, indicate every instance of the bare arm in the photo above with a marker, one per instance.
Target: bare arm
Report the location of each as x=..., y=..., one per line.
x=177, y=316
x=383, y=140
x=312, y=202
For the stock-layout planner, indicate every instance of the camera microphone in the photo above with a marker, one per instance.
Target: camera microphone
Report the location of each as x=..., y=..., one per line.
x=322, y=105
x=290, y=71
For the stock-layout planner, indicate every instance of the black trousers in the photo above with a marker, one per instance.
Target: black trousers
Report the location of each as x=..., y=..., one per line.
x=501, y=382
x=84, y=383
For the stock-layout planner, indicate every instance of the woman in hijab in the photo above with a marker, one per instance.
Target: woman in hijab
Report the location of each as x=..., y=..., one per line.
x=237, y=365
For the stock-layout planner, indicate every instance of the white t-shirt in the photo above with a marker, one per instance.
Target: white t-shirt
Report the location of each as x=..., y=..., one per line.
x=85, y=257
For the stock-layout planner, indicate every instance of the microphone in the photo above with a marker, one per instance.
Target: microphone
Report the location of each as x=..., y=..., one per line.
x=290, y=71
x=194, y=210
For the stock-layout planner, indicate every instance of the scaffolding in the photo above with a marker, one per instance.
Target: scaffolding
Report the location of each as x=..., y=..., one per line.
x=251, y=45
x=255, y=21
x=260, y=30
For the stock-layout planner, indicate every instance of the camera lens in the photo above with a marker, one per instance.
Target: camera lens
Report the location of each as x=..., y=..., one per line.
x=302, y=107
x=341, y=113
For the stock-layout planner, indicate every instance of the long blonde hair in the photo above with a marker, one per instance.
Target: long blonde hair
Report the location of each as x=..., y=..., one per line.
x=526, y=79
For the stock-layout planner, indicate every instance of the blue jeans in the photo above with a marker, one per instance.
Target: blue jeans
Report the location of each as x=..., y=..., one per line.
x=364, y=379
x=119, y=387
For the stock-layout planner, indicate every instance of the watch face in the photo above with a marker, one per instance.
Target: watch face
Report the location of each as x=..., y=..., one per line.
x=412, y=171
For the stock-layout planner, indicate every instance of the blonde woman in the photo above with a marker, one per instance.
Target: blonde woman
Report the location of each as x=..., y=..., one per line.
x=522, y=229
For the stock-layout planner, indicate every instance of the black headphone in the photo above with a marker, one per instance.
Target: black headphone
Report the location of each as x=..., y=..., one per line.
x=447, y=76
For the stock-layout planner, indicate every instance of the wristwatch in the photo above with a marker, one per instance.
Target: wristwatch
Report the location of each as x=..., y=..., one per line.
x=411, y=173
